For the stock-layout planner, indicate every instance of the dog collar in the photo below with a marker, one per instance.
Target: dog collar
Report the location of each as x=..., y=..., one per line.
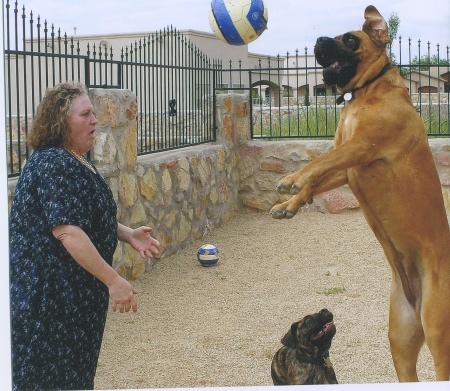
x=323, y=361
x=348, y=95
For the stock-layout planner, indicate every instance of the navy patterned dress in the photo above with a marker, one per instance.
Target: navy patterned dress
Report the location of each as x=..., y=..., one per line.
x=58, y=310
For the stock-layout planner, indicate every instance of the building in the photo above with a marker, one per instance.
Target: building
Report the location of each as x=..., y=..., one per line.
x=268, y=78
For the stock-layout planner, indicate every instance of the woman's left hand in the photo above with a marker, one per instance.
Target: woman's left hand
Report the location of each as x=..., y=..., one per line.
x=144, y=243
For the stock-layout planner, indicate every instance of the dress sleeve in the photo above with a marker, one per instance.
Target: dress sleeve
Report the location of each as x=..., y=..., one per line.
x=64, y=192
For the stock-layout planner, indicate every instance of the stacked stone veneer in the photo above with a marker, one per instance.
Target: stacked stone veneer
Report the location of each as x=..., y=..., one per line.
x=186, y=193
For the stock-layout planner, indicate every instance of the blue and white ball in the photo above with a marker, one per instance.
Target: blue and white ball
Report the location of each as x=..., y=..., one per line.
x=238, y=22
x=207, y=255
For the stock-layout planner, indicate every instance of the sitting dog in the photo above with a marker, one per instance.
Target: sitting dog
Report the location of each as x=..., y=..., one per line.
x=304, y=358
x=381, y=151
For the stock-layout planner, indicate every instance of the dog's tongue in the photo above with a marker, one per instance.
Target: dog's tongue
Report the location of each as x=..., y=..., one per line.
x=325, y=330
x=336, y=65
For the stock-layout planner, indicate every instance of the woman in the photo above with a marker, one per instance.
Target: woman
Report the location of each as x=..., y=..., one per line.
x=63, y=234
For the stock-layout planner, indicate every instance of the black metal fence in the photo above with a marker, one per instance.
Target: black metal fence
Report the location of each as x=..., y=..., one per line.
x=175, y=84
x=290, y=101
x=172, y=78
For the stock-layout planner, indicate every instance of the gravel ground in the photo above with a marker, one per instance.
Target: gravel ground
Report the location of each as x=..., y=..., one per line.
x=220, y=326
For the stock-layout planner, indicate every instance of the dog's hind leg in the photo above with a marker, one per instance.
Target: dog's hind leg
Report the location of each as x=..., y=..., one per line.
x=406, y=335
x=438, y=342
x=435, y=319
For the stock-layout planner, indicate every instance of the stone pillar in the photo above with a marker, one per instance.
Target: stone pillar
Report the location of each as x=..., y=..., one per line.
x=115, y=155
x=233, y=119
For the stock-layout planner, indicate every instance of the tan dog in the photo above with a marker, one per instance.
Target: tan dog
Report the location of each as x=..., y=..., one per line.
x=381, y=151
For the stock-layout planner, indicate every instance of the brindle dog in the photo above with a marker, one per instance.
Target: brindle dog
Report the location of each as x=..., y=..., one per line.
x=304, y=358
x=382, y=152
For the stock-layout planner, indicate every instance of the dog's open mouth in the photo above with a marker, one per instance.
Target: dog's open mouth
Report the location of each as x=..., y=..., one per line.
x=326, y=329
x=336, y=66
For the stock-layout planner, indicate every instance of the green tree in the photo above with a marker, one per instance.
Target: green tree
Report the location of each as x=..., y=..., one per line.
x=423, y=63
x=393, y=25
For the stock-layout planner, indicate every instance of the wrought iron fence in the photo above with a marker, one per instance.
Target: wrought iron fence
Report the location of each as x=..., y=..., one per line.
x=175, y=84
x=172, y=78
x=289, y=99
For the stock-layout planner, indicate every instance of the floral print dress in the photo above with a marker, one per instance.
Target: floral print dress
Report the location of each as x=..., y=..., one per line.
x=58, y=309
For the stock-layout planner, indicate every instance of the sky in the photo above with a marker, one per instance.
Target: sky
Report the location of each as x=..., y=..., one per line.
x=292, y=24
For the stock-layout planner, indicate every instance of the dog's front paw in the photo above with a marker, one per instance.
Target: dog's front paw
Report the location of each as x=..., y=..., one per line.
x=290, y=184
x=283, y=189
x=280, y=212
x=290, y=208
x=294, y=183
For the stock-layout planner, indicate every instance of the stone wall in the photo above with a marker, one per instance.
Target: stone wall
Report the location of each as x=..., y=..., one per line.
x=182, y=194
x=186, y=193
x=264, y=163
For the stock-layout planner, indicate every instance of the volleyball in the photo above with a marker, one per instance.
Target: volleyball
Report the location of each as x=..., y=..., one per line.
x=238, y=22
x=207, y=255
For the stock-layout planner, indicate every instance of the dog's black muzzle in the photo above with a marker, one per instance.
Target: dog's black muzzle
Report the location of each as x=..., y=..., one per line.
x=337, y=59
x=325, y=51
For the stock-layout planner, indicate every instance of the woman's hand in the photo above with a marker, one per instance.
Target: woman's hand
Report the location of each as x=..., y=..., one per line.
x=80, y=247
x=122, y=294
x=143, y=243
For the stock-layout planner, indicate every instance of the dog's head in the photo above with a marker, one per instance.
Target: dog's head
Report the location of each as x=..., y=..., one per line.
x=311, y=335
x=351, y=59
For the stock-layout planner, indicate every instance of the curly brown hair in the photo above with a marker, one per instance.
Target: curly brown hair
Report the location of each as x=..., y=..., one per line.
x=49, y=127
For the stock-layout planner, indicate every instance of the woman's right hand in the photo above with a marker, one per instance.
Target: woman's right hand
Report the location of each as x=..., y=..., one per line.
x=80, y=247
x=122, y=294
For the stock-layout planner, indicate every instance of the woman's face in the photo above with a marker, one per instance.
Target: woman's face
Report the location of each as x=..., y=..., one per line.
x=81, y=123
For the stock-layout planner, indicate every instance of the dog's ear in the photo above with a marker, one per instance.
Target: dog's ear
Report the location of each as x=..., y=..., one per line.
x=375, y=26
x=290, y=339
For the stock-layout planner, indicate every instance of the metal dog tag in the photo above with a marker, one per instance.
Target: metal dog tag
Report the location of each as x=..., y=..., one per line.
x=348, y=96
